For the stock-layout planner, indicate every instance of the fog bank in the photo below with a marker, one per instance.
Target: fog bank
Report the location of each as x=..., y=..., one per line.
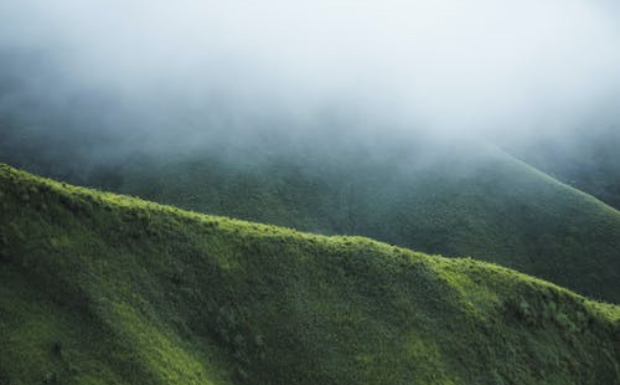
x=192, y=68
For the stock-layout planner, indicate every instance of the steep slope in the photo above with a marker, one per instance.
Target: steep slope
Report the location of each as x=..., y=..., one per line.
x=464, y=199
x=99, y=288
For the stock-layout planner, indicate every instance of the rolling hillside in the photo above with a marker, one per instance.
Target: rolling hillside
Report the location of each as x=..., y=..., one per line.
x=99, y=288
x=464, y=199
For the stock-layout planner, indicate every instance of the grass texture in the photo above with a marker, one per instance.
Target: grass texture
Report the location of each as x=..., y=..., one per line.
x=97, y=288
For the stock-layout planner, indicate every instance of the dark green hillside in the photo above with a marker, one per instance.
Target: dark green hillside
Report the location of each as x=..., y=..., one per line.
x=104, y=289
x=464, y=199
x=586, y=159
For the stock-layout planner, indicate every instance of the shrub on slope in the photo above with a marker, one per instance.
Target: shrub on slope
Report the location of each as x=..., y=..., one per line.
x=99, y=288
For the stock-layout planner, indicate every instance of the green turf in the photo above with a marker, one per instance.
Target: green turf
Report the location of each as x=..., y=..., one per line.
x=97, y=288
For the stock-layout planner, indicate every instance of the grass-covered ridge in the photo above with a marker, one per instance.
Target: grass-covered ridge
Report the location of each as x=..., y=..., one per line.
x=99, y=288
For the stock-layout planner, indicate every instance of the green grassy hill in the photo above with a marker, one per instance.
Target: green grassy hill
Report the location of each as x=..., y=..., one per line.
x=464, y=199
x=98, y=288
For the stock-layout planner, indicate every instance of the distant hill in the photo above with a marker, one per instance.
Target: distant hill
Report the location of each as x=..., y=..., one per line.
x=462, y=199
x=587, y=159
x=100, y=288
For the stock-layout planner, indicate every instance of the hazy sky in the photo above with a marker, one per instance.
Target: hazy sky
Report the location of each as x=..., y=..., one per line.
x=446, y=65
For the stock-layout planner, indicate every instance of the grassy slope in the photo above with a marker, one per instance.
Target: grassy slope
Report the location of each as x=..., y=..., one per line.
x=99, y=288
x=468, y=200
x=588, y=159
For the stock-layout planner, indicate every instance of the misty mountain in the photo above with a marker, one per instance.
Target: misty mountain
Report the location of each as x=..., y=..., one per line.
x=482, y=129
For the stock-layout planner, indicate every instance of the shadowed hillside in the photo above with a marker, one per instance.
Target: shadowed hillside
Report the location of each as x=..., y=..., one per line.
x=588, y=159
x=100, y=288
x=464, y=199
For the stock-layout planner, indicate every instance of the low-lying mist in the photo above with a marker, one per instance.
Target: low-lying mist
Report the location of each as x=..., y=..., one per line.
x=101, y=82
